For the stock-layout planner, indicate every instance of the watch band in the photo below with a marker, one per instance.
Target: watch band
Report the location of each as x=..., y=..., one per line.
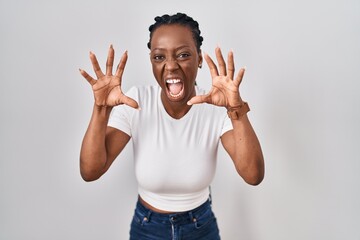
x=236, y=112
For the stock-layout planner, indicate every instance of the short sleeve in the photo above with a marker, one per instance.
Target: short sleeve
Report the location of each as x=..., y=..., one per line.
x=121, y=116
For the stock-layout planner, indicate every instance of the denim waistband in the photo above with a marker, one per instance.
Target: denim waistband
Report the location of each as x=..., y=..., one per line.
x=178, y=218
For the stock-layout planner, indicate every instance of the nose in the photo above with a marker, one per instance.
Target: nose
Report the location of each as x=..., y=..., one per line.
x=171, y=64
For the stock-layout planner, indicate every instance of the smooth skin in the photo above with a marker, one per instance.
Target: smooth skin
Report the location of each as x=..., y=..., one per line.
x=173, y=54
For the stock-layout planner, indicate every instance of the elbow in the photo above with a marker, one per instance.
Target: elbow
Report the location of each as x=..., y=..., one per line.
x=88, y=177
x=254, y=180
x=253, y=174
x=89, y=174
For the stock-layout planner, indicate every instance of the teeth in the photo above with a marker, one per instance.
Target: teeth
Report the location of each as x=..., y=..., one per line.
x=177, y=95
x=172, y=80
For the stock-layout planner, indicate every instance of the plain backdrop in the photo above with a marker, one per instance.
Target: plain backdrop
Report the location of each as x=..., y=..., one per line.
x=302, y=84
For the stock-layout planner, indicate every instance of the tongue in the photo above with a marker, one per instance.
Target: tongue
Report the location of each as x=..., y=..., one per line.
x=175, y=88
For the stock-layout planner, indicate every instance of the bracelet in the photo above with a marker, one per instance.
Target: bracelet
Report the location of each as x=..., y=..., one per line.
x=235, y=113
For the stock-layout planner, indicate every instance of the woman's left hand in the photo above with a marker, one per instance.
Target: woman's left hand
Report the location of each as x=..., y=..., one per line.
x=225, y=89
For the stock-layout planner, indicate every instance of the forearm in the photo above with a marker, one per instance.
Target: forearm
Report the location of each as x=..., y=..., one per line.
x=93, y=155
x=247, y=155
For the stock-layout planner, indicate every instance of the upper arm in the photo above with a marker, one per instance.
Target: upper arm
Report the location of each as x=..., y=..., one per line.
x=245, y=151
x=227, y=140
x=115, y=142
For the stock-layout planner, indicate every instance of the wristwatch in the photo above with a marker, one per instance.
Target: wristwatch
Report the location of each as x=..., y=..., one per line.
x=236, y=112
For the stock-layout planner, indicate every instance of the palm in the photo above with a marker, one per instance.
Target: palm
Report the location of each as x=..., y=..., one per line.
x=107, y=91
x=222, y=90
x=107, y=87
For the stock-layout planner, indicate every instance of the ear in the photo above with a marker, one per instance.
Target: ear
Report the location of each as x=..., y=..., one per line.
x=200, y=59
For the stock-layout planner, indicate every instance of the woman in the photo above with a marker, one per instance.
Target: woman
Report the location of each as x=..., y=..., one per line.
x=175, y=136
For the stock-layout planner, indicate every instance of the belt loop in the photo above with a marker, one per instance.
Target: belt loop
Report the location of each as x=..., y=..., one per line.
x=210, y=197
x=191, y=216
x=148, y=215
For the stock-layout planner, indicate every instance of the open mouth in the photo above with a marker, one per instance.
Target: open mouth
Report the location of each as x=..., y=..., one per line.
x=175, y=88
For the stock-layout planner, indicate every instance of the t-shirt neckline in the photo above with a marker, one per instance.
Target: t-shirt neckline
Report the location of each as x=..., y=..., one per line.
x=166, y=114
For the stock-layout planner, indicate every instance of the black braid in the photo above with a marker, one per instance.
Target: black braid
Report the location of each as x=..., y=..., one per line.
x=179, y=18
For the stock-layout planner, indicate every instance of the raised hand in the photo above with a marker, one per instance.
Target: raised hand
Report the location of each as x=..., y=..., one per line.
x=107, y=87
x=225, y=89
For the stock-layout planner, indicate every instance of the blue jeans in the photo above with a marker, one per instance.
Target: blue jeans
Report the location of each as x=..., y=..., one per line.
x=196, y=224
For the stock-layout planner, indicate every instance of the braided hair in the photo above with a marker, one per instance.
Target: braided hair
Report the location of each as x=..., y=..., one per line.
x=179, y=18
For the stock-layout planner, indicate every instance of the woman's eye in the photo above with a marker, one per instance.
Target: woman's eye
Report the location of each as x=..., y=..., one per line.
x=183, y=55
x=158, y=57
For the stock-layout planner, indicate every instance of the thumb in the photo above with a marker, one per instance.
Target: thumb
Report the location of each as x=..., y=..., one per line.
x=198, y=99
x=130, y=102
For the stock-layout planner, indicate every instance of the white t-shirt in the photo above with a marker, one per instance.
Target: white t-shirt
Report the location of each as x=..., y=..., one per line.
x=175, y=159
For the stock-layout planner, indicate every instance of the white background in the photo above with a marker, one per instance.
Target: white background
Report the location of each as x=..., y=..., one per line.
x=302, y=84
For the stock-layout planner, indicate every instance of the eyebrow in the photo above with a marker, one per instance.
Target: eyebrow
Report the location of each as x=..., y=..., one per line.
x=176, y=49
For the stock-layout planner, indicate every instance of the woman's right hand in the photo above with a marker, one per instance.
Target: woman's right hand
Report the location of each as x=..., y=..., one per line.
x=107, y=88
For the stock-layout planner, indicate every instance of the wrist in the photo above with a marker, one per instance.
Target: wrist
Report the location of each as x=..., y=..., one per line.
x=234, y=101
x=237, y=111
x=102, y=109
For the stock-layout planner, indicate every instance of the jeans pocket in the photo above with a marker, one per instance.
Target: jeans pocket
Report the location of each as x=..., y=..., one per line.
x=139, y=218
x=204, y=219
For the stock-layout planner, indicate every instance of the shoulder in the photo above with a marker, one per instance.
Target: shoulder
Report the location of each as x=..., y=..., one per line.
x=139, y=93
x=139, y=90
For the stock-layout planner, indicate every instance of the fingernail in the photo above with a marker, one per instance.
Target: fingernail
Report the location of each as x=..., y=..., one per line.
x=91, y=53
x=111, y=46
x=189, y=103
x=244, y=67
x=139, y=108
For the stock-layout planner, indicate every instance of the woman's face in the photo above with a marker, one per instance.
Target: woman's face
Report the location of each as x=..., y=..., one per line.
x=175, y=60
